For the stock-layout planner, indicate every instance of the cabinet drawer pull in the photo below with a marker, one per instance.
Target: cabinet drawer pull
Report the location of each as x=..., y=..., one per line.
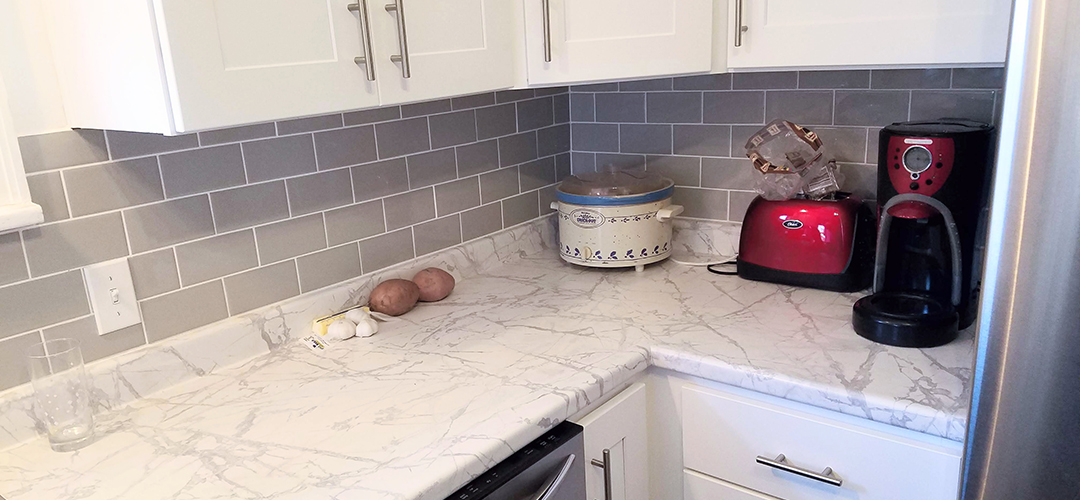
x=403, y=39
x=360, y=7
x=546, y=6
x=780, y=462
x=740, y=28
x=606, y=465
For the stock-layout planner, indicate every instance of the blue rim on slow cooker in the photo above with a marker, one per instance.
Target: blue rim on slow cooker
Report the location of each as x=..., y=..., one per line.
x=609, y=201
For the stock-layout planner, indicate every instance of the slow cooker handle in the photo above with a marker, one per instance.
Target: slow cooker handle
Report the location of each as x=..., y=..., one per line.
x=668, y=212
x=554, y=205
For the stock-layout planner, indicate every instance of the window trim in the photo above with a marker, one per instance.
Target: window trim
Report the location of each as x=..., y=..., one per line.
x=17, y=210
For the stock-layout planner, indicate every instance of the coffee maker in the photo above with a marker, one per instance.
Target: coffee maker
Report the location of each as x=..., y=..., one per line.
x=933, y=187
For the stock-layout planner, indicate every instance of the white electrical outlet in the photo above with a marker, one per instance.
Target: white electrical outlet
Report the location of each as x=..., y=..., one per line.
x=112, y=295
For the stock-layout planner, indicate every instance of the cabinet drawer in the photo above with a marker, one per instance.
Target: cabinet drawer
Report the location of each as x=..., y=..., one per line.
x=723, y=434
x=698, y=486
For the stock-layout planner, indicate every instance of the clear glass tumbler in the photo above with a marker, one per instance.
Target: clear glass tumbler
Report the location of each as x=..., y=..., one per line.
x=62, y=393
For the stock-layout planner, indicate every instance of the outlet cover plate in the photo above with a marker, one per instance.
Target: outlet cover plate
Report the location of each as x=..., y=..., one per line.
x=112, y=295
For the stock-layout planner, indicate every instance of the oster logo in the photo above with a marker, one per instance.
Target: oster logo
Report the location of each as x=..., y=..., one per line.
x=586, y=218
x=792, y=224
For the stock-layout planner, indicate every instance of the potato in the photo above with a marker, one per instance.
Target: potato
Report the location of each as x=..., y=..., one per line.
x=394, y=297
x=435, y=284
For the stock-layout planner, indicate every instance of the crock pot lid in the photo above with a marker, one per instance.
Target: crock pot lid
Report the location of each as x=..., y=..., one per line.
x=614, y=183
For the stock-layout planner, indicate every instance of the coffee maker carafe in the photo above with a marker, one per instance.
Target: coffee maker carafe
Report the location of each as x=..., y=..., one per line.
x=933, y=185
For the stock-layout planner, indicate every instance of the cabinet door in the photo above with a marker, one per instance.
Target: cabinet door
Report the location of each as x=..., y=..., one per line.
x=791, y=33
x=454, y=47
x=617, y=39
x=619, y=427
x=241, y=61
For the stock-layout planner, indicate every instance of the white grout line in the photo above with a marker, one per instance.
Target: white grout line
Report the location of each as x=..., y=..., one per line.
x=26, y=258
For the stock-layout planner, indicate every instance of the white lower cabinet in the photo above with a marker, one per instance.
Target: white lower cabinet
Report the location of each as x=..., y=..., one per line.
x=697, y=486
x=618, y=428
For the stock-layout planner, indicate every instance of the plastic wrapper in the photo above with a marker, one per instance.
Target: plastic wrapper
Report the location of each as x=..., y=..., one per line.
x=792, y=160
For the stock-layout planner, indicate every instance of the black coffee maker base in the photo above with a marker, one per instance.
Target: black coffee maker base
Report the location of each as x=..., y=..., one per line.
x=905, y=319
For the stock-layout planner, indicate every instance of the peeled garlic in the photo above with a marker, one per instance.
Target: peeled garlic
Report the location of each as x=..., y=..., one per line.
x=365, y=324
x=340, y=330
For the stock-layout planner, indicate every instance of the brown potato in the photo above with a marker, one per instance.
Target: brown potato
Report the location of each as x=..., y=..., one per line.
x=435, y=284
x=394, y=297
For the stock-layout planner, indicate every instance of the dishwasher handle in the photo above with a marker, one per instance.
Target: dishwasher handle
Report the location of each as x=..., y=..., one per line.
x=551, y=486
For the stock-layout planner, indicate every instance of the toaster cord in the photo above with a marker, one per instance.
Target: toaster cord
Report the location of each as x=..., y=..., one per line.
x=712, y=267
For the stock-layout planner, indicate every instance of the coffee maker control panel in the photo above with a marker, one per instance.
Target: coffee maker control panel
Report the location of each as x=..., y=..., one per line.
x=918, y=165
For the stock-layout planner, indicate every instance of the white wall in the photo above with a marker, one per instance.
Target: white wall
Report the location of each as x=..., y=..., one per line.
x=26, y=64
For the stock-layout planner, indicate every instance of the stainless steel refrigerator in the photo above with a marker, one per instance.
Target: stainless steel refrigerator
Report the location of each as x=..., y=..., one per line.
x=1024, y=432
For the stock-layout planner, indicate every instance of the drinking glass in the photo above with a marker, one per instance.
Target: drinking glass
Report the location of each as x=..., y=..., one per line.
x=62, y=393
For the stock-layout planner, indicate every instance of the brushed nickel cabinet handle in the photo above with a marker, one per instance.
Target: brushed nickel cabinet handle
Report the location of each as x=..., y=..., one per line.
x=360, y=7
x=606, y=465
x=403, y=38
x=547, y=29
x=740, y=28
x=780, y=462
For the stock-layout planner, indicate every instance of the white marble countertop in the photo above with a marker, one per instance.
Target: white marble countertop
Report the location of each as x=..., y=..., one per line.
x=454, y=387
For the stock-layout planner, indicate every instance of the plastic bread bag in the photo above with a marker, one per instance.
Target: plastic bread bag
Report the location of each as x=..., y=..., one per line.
x=792, y=160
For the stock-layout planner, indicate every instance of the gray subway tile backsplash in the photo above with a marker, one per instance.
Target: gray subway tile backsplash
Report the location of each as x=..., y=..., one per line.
x=47, y=190
x=92, y=345
x=409, y=208
x=319, y=192
x=683, y=170
x=521, y=208
x=432, y=167
x=620, y=107
x=201, y=170
x=553, y=140
x=805, y=107
x=345, y=147
x=250, y=205
x=289, y=238
x=498, y=184
x=537, y=174
x=496, y=121
x=376, y=115
x=386, y=250
x=720, y=81
x=934, y=104
x=237, y=134
x=594, y=137
x=472, y=101
x=932, y=78
x=259, y=287
x=834, y=79
x=673, y=107
x=164, y=224
x=515, y=149
x=481, y=221
x=12, y=259
x=425, y=108
x=13, y=370
x=437, y=234
x=535, y=113
x=457, y=196
x=765, y=80
x=109, y=186
x=62, y=149
x=478, y=157
x=645, y=139
x=740, y=106
x=183, y=310
x=309, y=124
x=402, y=137
x=75, y=243
x=130, y=144
x=30, y=305
x=269, y=159
x=327, y=267
x=154, y=273
x=702, y=140
x=221, y=255
x=452, y=129
x=379, y=179
x=871, y=107
x=354, y=222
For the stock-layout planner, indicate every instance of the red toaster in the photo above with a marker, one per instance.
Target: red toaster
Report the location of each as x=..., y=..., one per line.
x=827, y=244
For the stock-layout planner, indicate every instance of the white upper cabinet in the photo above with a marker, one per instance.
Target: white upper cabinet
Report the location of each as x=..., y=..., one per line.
x=590, y=40
x=797, y=33
x=453, y=47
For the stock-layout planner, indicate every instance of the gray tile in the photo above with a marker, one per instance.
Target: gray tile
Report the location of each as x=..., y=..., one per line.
x=481, y=221
x=683, y=170
x=562, y=166
x=702, y=203
x=765, y=80
x=860, y=180
x=345, y=147
x=379, y=179
x=739, y=201
x=94, y=346
x=582, y=162
x=703, y=140
x=33, y=304
x=328, y=267
x=582, y=108
x=561, y=103
x=535, y=113
x=183, y=310
x=279, y=157
x=638, y=85
x=75, y=243
x=12, y=259
x=154, y=273
x=289, y=238
x=728, y=173
x=615, y=161
x=978, y=78
x=973, y=105
x=934, y=78
x=386, y=250
x=498, y=184
x=496, y=121
x=201, y=170
x=620, y=108
x=872, y=137
x=834, y=79
x=746, y=106
x=595, y=87
x=473, y=101
x=673, y=107
x=321, y=191
x=654, y=139
x=430, y=168
x=236, y=134
x=874, y=108
x=47, y=190
x=720, y=81
x=451, y=129
x=309, y=124
x=521, y=208
x=216, y=257
x=537, y=174
x=259, y=287
x=551, y=91
x=477, y=158
x=740, y=134
x=409, y=208
x=547, y=196
x=516, y=149
x=366, y=116
x=458, y=195
x=553, y=140
x=402, y=137
x=594, y=136
x=354, y=222
x=437, y=234
x=514, y=95
x=62, y=149
x=247, y=206
x=425, y=108
x=163, y=224
x=803, y=107
x=13, y=370
x=845, y=144
x=110, y=186
x=129, y=144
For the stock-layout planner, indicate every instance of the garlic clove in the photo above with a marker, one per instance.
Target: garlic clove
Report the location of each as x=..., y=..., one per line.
x=367, y=328
x=340, y=330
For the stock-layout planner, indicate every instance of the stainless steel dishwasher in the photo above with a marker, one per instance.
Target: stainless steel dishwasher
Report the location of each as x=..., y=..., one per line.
x=550, y=468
